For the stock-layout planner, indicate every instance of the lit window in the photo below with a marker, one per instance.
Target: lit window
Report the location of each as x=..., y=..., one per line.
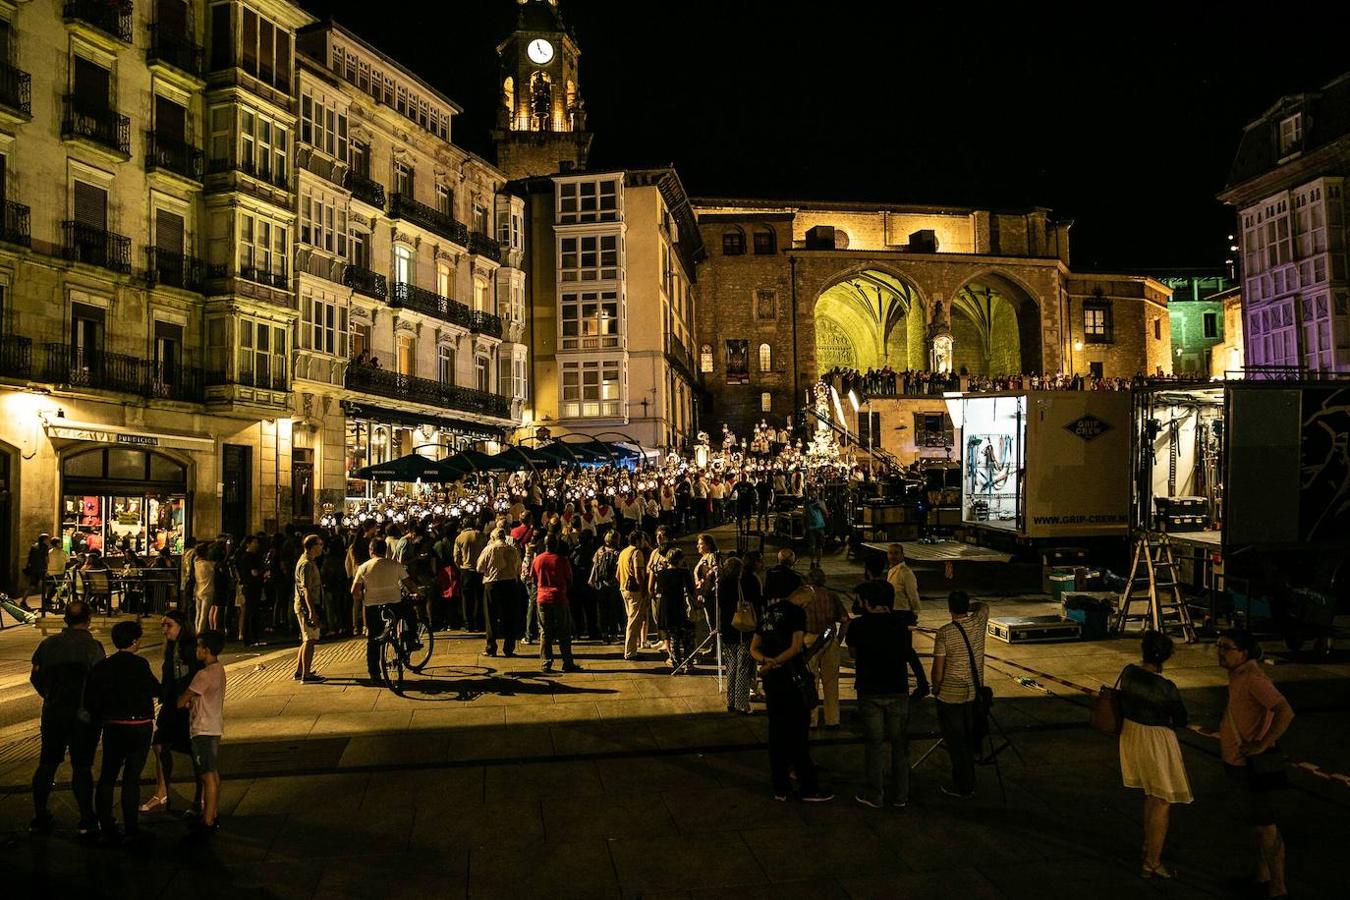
x=323, y=326
x=765, y=358
x=1097, y=322
x=1291, y=134
x=589, y=257
x=446, y=364
x=591, y=389
x=588, y=201
x=590, y=320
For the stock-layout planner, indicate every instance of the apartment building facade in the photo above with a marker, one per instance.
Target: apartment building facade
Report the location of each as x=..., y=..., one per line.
x=194, y=249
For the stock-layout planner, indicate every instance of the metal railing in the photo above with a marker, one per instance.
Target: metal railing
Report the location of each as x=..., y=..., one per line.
x=97, y=247
x=483, y=245
x=486, y=323
x=16, y=89
x=176, y=49
x=94, y=121
x=157, y=379
x=272, y=381
x=402, y=206
x=109, y=16
x=410, y=296
x=173, y=154
x=16, y=356
x=16, y=224
x=364, y=188
x=679, y=354
x=265, y=276
x=386, y=383
x=364, y=281
x=174, y=269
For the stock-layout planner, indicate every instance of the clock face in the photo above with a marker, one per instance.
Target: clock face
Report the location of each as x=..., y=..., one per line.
x=540, y=51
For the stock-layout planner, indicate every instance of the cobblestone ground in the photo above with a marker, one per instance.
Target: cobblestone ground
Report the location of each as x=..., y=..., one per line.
x=489, y=778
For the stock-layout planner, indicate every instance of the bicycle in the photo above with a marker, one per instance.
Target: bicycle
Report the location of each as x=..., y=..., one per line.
x=400, y=651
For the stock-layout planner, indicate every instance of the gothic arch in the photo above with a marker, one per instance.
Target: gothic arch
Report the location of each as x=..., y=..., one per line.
x=996, y=324
x=869, y=317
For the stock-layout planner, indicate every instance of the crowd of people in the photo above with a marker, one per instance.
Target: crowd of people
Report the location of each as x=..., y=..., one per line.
x=888, y=382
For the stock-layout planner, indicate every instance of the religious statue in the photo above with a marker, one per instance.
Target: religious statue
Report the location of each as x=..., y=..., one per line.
x=541, y=100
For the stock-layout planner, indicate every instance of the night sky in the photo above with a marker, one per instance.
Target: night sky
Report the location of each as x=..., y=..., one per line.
x=1128, y=126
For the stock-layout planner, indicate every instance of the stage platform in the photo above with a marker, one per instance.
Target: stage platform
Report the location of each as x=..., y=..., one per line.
x=945, y=552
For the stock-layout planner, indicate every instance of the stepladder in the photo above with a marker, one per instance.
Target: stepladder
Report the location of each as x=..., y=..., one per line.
x=1152, y=595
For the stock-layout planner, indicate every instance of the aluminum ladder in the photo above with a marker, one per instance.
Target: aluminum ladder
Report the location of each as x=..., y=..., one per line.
x=1154, y=584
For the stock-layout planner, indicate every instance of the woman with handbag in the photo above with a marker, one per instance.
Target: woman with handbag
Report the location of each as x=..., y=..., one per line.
x=1256, y=717
x=789, y=690
x=675, y=596
x=737, y=620
x=1150, y=756
x=707, y=576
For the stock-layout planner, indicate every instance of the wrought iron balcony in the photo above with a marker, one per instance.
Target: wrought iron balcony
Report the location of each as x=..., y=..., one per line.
x=364, y=281
x=112, y=17
x=270, y=381
x=169, y=381
x=16, y=90
x=410, y=388
x=410, y=296
x=483, y=245
x=402, y=206
x=84, y=367
x=486, y=323
x=273, y=279
x=97, y=247
x=174, y=269
x=16, y=356
x=364, y=189
x=679, y=356
x=173, y=155
x=93, y=121
x=174, y=49
x=16, y=224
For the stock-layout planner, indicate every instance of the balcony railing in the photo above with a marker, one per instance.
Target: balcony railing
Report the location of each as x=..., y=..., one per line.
x=174, y=269
x=486, y=323
x=173, y=155
x=16, y=89
x=95, y=246
x=401, y=206
x=678, y=354
x=177, y=50
x=270, y=381
x=274, y=177
x=86, y=368
x=16, y=356
x=16, y=224
x=364, y=281
x=410, y=296
x=273, y=279
x=97, y=123
x=483, y=245
x=109, y=16
x=364, y=189
x=410, y=388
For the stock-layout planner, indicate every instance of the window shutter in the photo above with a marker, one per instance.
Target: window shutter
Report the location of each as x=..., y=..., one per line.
x=168, y=231
x=91, y=206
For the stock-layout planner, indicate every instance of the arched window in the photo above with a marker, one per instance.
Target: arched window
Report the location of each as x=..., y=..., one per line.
x=765, y=358
x=766, y=243
x=509, y=95
x=705, y=358
x=733, y=242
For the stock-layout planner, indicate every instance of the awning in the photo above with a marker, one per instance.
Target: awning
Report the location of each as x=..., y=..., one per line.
x=70, y=430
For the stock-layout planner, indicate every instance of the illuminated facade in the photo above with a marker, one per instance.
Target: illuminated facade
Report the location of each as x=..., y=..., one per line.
x=202, y=226
x=1288, y=184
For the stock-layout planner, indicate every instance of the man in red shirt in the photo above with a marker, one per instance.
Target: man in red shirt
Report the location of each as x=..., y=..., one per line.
x=552, y=575
x=524, y=532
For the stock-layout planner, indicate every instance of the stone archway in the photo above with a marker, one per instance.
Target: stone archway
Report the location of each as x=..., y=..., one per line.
x=995, y=324
x=869, y=319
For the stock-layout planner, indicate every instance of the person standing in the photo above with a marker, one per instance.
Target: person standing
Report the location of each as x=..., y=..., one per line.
x=57, y=561
x=468, y=546
x=604, y=581
x=824, y=611
x=204, y=584
x=906, y=586
x=171, y=725
x=637, y=602
x=250, y=568
x=553, y=579
x=61, y=666
x=1150, y=756
x=782, y=580
x=337, y=587
x=205, y=701
x=1256, y=717
x=376, y=586
x=879, y=639
x=308, y=591
x=744, y=581
x=35, y=566
x=777, y=647
x=357, y=554
x=673, y=585
x=499, y=564
x=120, y=697
x=958, y=672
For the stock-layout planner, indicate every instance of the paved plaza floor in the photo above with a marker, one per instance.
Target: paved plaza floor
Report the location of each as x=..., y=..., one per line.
x=488, y=778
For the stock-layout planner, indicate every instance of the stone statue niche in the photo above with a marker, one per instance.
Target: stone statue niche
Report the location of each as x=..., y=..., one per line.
x=541, y=101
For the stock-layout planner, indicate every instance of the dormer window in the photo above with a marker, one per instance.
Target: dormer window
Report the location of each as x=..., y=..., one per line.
x=1291, y=134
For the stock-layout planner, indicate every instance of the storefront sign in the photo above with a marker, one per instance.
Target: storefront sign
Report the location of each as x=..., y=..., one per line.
x=66, y=429
x=139, y=440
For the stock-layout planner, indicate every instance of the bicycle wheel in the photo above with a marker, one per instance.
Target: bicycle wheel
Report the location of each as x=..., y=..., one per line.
x=391, y=666
x=418, y=657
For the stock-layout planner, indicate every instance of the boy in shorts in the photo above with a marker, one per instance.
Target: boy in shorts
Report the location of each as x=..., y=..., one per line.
x=205, y=700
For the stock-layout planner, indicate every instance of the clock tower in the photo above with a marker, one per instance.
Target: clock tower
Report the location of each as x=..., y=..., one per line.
x=541, y=118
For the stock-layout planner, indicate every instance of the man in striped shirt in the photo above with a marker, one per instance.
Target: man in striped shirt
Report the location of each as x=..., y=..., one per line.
x=955, y=646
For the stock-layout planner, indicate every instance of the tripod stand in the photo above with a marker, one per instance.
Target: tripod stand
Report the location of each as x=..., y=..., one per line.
x=996, y=747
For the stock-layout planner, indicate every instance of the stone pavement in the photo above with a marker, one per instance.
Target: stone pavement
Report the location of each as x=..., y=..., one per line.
x=488, y=778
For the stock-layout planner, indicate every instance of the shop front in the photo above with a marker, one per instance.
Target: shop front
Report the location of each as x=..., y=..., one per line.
x=376, y=435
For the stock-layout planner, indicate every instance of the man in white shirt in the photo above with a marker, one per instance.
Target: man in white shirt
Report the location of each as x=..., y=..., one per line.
x=376, y=585
x=901, y=577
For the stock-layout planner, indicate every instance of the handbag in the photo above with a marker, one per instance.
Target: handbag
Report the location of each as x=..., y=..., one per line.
x=984, y=695
x=1106, y=715
x=744, y=619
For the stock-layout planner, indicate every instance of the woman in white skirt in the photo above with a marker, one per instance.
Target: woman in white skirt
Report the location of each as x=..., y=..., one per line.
x=1150, y=756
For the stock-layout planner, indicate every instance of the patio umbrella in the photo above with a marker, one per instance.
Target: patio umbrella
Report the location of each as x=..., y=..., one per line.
x=455, y=467
x=569, y=453
x=410, y=468
x=514, y=458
